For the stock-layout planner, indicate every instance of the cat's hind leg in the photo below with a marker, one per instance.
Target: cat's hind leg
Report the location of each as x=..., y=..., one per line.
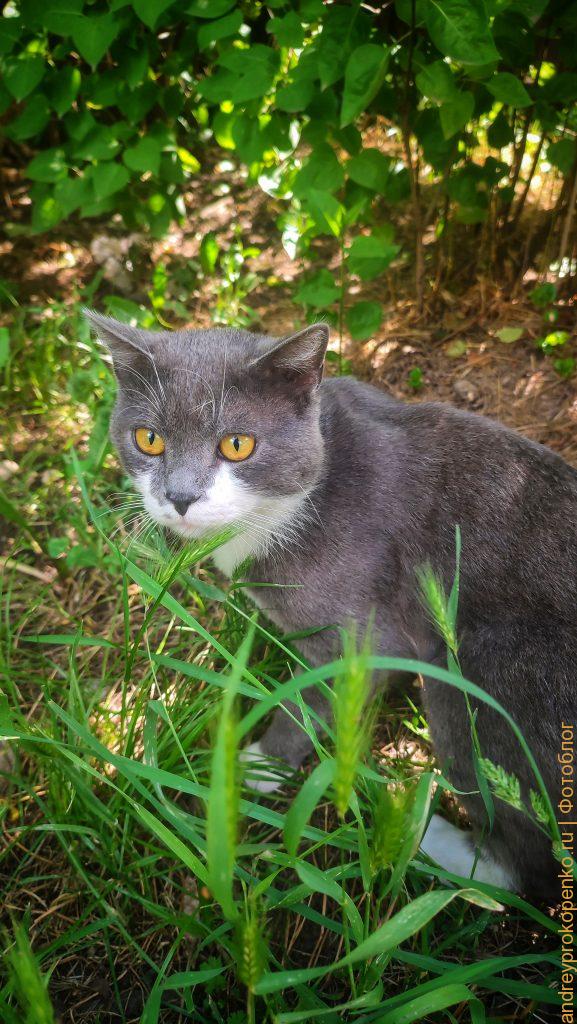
x=454, y=850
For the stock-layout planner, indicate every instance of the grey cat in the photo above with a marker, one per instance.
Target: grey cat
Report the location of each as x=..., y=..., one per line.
x=341, y=493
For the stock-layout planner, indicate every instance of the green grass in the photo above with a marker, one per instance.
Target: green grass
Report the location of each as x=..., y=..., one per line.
x=142, y=880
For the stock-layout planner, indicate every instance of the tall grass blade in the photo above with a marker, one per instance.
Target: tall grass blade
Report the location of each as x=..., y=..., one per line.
x=27, y=982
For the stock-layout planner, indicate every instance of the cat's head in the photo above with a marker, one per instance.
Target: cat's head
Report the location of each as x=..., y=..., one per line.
x=217, y=427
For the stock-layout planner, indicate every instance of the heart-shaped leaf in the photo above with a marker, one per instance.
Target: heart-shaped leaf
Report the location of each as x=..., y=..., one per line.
x=93, y=35
x=144, y=156
x=363, y=319
x=365, y=72
x=149, y=11
x=109, y=178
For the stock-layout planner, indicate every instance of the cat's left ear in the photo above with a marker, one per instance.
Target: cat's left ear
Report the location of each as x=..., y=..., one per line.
x=296, y=360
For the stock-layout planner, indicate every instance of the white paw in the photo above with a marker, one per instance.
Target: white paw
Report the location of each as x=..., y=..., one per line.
x=261, y=774
x=453, y=850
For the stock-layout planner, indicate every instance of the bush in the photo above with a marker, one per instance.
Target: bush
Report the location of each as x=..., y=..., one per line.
x=112, y=106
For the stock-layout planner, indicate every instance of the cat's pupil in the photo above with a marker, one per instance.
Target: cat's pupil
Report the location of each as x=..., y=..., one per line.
x=151, y=437
x=236, y=443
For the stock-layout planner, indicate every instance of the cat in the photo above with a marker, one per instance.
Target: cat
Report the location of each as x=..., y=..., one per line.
x=341, y=492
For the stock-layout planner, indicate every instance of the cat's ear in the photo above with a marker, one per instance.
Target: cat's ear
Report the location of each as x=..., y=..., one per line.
x=296, y=360
x=126, y=344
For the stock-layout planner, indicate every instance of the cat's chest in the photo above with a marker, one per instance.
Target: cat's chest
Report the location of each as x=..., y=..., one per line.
x=232, y=554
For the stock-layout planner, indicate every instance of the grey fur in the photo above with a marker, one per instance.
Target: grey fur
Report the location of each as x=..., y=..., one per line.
x=390, y=483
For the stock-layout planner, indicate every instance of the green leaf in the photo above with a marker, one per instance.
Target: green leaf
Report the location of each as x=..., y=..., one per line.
x=135, y=66
x=56, y=14
x=420, y=1007
x=144, y=156
x=10, y=33
x=456, y=113
x=295, y=96
x=364, y=74
x=553, y=340
x=369, y=255
x=46, y=213
x=210, y=8
x=508, y=335
x=562, y=154
x=253, y=71
x=94, y=35
x=64, y=89
x=363, y=319
x=405, y=923
x=561, y=88
x=309, y=795
x=500, y=132
x=48, y=166
x=507, y=88
x=172, y=842
x=288, y=31
x=10, y=512
x=565, y=367
x=543, y=295
x=456, y=349
x=100, y=143
x=4, y=346
x=327, y=213
x=460, y=30
x=319, y=291
x=437, y=82
x=31, y=121
x=209, y=253
x=23, y=74
x=220, y=29
x=149, y=11
x=188, y=160
x=370, y=168
x=108, y=178
x=322, y=170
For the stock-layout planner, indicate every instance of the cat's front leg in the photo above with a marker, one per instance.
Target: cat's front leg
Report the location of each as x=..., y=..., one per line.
x=286, y=743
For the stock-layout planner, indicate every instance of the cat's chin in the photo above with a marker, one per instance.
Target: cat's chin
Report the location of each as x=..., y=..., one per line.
x=193, y=531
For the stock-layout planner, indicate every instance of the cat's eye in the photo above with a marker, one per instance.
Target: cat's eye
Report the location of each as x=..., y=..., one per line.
x=148, y=441
x=236, y=447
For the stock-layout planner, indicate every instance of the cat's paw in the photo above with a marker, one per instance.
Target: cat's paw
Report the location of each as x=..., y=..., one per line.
x=261, y=773
x=454, y=851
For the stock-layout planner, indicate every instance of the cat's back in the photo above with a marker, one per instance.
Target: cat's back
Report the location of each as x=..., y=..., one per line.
x=438, y=434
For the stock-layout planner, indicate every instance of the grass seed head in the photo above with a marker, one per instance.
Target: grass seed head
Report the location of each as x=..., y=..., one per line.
x=251, y=947
x=390, y=816
x=435, y=600
x=506, y=787
x=351, y=692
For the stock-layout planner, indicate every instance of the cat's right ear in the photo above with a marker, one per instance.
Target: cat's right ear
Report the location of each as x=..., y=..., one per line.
x=127, y=345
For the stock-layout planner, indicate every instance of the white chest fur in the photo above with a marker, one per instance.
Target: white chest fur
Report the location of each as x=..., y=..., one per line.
x=277, y=522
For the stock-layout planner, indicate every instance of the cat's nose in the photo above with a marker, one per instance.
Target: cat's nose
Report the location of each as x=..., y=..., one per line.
x=181, y=501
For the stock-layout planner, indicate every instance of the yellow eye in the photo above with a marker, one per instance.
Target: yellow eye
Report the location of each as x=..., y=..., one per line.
x=236, y=447
x=148, y=441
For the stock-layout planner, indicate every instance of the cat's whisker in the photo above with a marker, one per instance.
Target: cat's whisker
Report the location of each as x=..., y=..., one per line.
x=155, y=399
x=162, y=391
x=221, y=406
x=143, y=399
x=211, y=396
x=310, y=502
